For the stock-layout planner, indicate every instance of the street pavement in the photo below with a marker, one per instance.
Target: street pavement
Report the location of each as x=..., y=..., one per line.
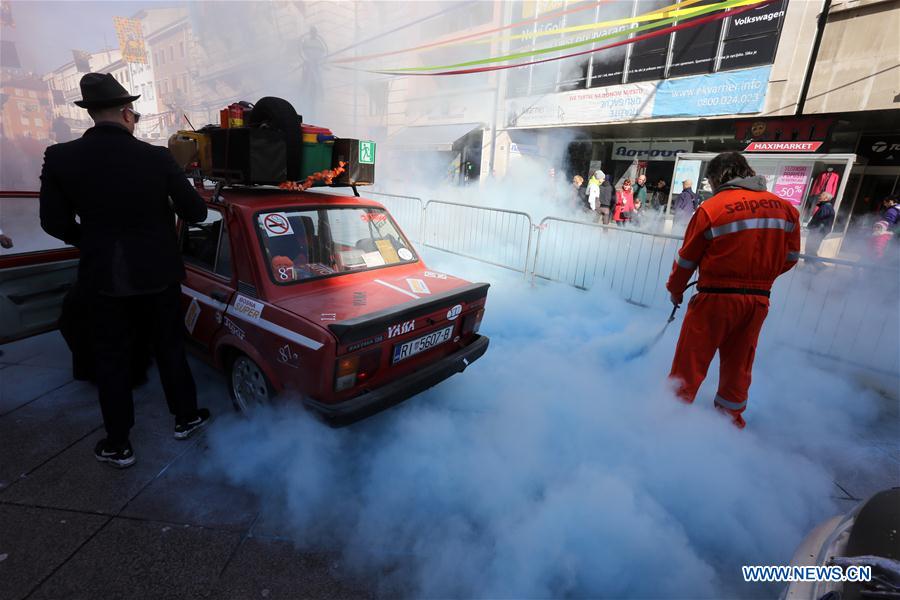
x=73, y=528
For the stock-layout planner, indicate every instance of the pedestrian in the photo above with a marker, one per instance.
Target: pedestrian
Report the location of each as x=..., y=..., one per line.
x=640, y=193
x=686, y=202
x=119, y=188
x=624, y=204
x=579, y=194
x=890, y=213
x=606, y=199
x=660, y=197
x=741, y=239
x=820, y=224
x=879, y=240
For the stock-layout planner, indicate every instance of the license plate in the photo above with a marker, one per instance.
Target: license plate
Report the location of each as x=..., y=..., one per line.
x=426, y=342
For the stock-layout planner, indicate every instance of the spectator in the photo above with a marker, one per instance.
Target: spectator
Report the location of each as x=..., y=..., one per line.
x=5, y=240
x=579, y=194
x=606, y=199
x=686, y=202
x=640, y=193
x=593, y=191
x=879, y=240
x=624, y=204
x=660, y=197
x=891, y=213
x=130, y=266
x=820, y=224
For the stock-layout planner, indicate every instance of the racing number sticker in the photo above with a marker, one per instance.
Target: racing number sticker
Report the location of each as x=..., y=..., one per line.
x=276, y=224
x=366, y=152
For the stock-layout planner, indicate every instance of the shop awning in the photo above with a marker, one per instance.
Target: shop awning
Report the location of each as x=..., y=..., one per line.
x=434, y=138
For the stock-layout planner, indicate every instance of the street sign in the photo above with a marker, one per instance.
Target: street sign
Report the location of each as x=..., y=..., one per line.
x=366, y=152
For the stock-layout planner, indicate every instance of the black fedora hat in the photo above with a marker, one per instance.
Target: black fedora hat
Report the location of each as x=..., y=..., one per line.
x=101, y=90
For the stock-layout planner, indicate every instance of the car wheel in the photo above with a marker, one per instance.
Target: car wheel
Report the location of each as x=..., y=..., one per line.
x=250, y=388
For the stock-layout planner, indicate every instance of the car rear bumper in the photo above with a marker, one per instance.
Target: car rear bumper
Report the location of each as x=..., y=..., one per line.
x=407, y=387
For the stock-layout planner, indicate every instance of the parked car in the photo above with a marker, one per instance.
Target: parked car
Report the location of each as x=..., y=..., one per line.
x=867, y=536
x=317, y=295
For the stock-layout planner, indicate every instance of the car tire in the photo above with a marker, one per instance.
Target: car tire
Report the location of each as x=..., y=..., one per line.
x=280, y=114
x=250, y=388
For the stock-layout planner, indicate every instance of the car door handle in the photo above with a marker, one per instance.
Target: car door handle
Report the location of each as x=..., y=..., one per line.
x=219, y=296
x=20, y=299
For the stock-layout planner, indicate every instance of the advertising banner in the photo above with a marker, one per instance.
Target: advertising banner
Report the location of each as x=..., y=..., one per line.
x=131, y=40
x=791, y=183
x=732, y=92
x=702, y=95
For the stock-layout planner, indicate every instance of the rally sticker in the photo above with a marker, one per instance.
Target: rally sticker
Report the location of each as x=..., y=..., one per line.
x=387, y=251
x=418, y=286
x=328, y=317
x=234, y=329
x=373, y=259
x=249, y=308
x=287, y=356
x=191, y=316
x=454, y=312
x=434, y=275
x=404, y=254
x=276, y=224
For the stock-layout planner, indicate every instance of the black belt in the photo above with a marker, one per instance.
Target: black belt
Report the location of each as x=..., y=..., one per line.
x=747, y=291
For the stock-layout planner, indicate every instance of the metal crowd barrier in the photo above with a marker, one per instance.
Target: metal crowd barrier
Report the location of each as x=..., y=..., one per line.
x=495, y=236
x=408, y=211
x=628, y=261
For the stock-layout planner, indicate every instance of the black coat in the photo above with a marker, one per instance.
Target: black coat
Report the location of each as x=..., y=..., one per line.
x=120, y=189
x=606, y=198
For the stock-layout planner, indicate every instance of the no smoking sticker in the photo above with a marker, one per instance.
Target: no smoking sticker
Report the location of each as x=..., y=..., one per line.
x=276, y=224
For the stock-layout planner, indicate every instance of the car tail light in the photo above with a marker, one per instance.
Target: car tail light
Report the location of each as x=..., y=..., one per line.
x=345, y=373
x=368, y=364
x=355, y=369
x=472, y=322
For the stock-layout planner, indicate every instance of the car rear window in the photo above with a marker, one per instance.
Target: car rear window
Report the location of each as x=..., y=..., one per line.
x=320, y=242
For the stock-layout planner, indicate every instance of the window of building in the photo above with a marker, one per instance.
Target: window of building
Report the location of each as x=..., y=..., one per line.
x=150, y=91
x=32, y=94
x=181, y=49
x=38, y=122
x=171, y=53
x=184, y=83
x=25, y=121
x=162, y=57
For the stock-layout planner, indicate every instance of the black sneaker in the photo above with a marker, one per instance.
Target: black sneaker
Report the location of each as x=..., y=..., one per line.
x=185, y=429
x=118, y=456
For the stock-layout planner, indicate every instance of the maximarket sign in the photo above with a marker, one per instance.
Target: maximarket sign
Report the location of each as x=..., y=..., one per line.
x=783, y=146
x=726, y=93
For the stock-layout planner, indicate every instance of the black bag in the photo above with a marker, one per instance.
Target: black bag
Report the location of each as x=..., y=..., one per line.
x=625, y=214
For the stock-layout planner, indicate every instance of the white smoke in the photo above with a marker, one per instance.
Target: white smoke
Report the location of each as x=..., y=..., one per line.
x=556, y=467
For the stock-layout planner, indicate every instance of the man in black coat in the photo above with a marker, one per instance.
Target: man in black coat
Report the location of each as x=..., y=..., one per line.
x=125, y=194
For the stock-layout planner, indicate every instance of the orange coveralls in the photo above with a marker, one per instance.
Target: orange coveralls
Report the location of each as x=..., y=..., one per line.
x=741, y=239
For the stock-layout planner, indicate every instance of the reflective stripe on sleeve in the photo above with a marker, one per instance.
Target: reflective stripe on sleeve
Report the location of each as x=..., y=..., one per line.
x=745, y=224
x=793, y=256
x=684, y=264
x=720, y=401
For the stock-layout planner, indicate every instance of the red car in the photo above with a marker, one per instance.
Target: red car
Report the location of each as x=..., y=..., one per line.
x=323, y=296
x=317, y=295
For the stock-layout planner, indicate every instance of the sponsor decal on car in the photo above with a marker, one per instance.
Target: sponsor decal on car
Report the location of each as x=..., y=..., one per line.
x=234, y=329
x=249, y=308
x=276, y=224
x=434, y=275
x=418, y=286
x=365, y=343
x=360, y=299
x=401, y=328
x=454, y=312
x=404, y=254
x=287, y=356
x=191, y=316
x=328, y=317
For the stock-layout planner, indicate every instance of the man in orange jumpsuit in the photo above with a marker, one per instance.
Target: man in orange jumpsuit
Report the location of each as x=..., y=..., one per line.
x=742, y=239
